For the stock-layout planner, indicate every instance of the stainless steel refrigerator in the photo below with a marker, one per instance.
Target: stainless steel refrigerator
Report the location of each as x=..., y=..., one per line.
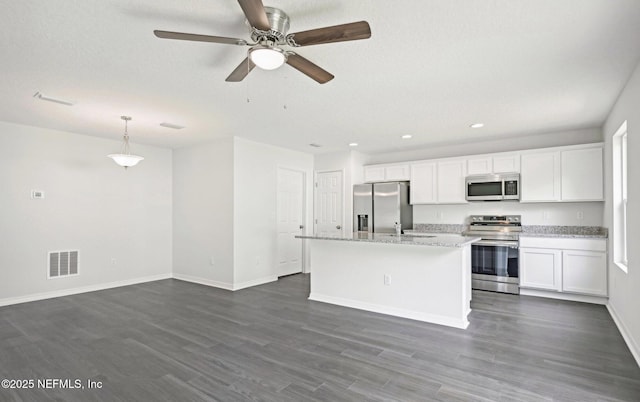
x=377, y=207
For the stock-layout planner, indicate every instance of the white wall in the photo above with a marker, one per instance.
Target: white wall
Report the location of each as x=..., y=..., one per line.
x=255, y=194
x=90, y=204
x=559, y=138
x=624, y=288
x=543, y=213
x=203, y=213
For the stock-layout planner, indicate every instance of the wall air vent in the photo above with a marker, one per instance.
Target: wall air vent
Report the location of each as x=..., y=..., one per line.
x=62, y=263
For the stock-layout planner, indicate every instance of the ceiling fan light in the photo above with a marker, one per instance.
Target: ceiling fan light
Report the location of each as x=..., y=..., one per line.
x=267, y=58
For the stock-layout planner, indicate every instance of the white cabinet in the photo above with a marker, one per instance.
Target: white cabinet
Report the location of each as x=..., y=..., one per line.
x=488, y=164
x=451, y=184
x=373, y=173
x=566, y=174
x=584, y=272
x=540, y=268
x=439, y=182
x=564, y=265
x=582, y=175
x=571, y=173
x=506, y=163
x=423, y=183
x=480, y=165
x=540, y=176
x=378, y=173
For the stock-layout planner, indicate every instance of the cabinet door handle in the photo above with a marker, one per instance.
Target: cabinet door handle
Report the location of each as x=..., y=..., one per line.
x=338, y=227
x=301, y=226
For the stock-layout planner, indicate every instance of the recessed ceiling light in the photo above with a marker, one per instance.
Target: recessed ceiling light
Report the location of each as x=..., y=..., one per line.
x=477, y=125
x=44, y=97
x=406, y=136
x=171, y=125
x=353, y=144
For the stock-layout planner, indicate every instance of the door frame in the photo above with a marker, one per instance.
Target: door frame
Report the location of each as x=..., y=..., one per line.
x=315, y=196
x=305, y=216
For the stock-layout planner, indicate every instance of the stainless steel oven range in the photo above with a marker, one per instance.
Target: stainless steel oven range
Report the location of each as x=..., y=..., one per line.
x=494, y=259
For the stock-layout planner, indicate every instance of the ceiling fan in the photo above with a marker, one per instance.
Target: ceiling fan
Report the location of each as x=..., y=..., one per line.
x=269, y=28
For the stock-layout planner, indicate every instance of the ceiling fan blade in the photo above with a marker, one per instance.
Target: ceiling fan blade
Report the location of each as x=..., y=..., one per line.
x=336, y=33
x=306, y=67
x=254, y=11
x=199, y=38
x=241, y=71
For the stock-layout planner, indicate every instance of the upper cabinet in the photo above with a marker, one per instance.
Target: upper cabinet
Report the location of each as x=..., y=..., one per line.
x=540, y=177
x=487, y=164
x=422, y=189
x=561, y=174
x=566, y=174
x=378, y=173
x=438, y=182
x=451, y=187
x=582, y=175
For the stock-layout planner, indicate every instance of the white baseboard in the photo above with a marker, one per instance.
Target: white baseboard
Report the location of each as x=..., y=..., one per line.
x=255, y=282
x=203, y=281
x=631, y=343
x=225, y=285
x=376, y=308
x=84, y=289
x=564, y=296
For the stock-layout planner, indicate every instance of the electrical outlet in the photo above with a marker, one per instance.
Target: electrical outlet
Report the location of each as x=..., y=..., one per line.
x=545, y=216
x=212, y=261
x=440, y=216
x=580, y=215
x=387, y=280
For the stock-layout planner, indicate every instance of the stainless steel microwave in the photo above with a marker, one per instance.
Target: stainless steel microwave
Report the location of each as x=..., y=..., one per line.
x=493, y=187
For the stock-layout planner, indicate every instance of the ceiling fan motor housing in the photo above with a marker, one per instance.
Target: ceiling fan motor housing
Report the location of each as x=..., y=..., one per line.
x=279, y=22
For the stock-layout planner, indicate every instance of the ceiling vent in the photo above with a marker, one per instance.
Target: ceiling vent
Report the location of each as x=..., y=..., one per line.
x=62, y=263
x=41, y=96
x=171, y=125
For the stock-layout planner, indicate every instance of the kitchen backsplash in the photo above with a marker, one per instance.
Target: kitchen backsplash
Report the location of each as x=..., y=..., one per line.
x=438, y=228
x=549, y=213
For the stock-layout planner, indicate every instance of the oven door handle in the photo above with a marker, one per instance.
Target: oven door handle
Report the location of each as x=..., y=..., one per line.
x=498, y=243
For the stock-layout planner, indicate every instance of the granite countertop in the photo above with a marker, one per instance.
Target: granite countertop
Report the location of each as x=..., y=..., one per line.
x=445, y=240
x=593, y=232
x=588, y=232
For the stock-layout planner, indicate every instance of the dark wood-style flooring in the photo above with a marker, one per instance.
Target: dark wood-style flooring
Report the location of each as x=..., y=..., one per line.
x=176, y=341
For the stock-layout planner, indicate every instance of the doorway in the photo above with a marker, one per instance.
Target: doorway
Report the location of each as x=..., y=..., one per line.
x=290, y=216
x=329, y=203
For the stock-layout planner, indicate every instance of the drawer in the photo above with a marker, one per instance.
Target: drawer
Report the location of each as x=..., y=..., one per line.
x=587, y=244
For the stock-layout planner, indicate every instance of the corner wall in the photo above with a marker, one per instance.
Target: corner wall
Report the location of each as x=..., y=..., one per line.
x=203, y=214
x=624, y=288
x=255, y=167
x=120, y=221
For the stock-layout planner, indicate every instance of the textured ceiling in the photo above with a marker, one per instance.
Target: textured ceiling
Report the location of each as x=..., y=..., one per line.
x=430, y=69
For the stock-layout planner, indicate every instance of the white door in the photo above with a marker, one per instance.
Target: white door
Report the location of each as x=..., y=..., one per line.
x=329, y=200
x=290, y=217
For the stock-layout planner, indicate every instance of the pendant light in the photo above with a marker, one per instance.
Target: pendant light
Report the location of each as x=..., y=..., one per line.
x=125, y=158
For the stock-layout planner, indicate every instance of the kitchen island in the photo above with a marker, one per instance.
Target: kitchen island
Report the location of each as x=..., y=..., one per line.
x=425, y=278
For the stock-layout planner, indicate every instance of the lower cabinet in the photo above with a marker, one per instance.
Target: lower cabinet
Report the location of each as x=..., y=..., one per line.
x=540, y=268
x=584, y=272
x=564, y=265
